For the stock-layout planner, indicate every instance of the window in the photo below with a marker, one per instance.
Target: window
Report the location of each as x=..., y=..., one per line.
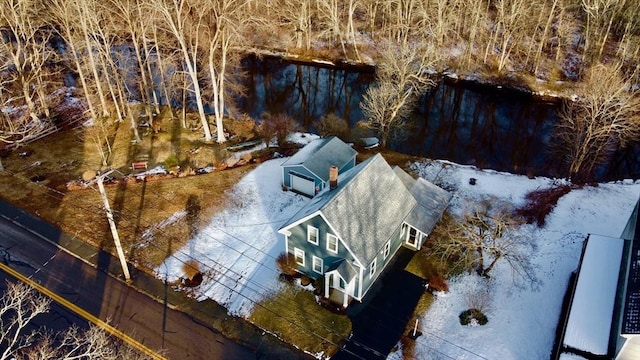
x=413, y=237
x=332, y=243
x=312, y=234
x=372, y=269
x=387, y=249
x=318, y=265
x=299, y=254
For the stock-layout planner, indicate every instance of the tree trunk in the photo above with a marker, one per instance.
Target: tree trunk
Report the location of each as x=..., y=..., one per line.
x=480, y=267
x=486, y=271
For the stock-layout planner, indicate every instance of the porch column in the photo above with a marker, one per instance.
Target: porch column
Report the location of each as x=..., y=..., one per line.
x=327, y=281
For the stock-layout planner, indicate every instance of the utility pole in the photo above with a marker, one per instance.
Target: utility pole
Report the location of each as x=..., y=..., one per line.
x=112, y=224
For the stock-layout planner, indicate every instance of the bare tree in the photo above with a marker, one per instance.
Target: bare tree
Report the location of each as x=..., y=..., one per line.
x=508, y=31
x=62, y=14
x=486, y=235
x=226, y=22
x=20, y=305
x=605, y=117
x=22, y=77
x=28, y=52
x=401, y=79
x=180, y=20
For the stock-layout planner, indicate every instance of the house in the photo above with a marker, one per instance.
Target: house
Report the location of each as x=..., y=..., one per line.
x=602, y=317
x=348, y=233
x=307, y=172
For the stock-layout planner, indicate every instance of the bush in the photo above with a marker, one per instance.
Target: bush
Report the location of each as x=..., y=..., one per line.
x=332, y=125
x=191, y=268
x=276, y=126
x=473, y=316
x=438, y=283
x=540, y=203
x=244, y=127
x=287, y=264
x=171, y=161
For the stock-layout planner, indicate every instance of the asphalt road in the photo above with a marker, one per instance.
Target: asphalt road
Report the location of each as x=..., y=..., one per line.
x=147, y=321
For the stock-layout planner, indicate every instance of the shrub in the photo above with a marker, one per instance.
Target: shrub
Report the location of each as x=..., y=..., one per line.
x=438, y=283
x=287, y=264
x=473, y=316
x=278, y=126
x=332, y=125
x=244, y=127
x=540, y=203
x=191, y=268
x=171, y=161
x=305, y=281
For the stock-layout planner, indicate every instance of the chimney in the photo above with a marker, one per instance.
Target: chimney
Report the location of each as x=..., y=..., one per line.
x=333, y=177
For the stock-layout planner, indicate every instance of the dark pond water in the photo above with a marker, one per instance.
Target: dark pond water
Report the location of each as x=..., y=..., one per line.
x=463, y=122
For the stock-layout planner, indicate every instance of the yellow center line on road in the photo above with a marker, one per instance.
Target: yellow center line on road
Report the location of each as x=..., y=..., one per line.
x=83, y=313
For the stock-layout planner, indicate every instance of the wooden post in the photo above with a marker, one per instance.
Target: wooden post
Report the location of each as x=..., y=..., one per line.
x=112, y=225
x=415, y=328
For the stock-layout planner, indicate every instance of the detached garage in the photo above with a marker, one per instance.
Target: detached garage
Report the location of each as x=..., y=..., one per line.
x=302, y=184
x=307, y=172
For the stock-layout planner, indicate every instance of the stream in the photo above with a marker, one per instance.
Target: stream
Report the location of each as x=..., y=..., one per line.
x=460, y=121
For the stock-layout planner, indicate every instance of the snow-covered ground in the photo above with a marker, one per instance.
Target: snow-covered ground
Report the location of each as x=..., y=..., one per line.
x=238, y=247
x=522, y=316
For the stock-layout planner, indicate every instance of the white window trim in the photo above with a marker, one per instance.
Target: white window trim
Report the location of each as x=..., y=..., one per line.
x=320, y=262
x=299, y=253
x=311, y=229
x=372, y=269
x=329, y=236
x=386, y=250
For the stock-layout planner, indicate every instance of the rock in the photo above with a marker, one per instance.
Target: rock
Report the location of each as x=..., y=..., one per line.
x=231, y=162
x=247, y=157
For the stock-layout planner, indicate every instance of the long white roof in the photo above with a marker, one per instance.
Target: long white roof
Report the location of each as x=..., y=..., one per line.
x=589, y=323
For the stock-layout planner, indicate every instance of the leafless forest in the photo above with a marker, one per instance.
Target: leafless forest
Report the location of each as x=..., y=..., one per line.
x=116, y=50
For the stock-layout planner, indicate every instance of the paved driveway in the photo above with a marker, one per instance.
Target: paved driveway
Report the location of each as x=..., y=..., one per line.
x=380, y=320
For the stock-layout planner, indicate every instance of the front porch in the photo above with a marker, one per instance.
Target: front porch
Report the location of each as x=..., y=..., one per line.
x=334, y=302
x=337, y=297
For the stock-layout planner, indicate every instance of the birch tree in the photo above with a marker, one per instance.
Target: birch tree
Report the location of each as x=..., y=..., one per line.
x=184, y=21
x=226, y=23
x=62, y=14
x=26, y=48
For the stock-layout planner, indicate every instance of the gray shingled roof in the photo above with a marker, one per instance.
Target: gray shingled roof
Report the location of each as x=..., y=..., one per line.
x=432, y=201
x=346, y=270
x=320, y=154
x=382, y=202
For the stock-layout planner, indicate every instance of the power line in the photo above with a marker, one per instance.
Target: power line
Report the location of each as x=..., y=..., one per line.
x=251, y=285
x=255, y=303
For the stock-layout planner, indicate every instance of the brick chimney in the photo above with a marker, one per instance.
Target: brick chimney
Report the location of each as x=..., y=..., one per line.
x=333, y=177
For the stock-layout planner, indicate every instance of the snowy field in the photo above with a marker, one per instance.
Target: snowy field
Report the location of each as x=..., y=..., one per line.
x=238, y=247
x=522, y=316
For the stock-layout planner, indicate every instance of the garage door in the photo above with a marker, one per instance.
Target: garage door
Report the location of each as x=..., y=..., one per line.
x=303, y=185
